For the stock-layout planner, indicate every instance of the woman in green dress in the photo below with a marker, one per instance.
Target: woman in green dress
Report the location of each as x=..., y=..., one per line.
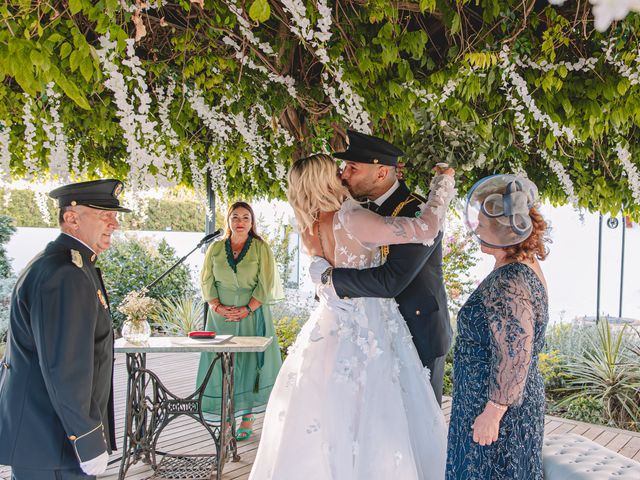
x=239, y=281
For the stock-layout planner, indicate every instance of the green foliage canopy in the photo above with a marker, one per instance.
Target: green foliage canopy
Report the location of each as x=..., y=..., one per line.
x=438, y=57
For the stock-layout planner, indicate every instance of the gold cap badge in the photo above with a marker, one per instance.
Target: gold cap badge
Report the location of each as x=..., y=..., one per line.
x=102, y=299
x=76, y=258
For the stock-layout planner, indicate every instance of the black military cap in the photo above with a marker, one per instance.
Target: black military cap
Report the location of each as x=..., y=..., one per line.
x=365, y=148
x=99, y=194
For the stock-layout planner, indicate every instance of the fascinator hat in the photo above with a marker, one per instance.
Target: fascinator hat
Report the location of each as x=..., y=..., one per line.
x=497, y=209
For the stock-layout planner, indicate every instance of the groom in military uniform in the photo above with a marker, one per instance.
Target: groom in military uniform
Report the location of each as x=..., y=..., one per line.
x=411, y=273
x=56, y=410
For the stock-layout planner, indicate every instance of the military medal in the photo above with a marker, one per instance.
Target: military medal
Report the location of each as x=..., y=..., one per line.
x=102, y=299
x=76, y=258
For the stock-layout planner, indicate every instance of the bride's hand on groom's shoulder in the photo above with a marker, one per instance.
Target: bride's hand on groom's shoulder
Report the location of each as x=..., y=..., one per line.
x=443, y=169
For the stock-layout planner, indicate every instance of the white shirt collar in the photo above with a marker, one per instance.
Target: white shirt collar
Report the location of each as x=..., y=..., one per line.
x=383, y=198
x=78, y=240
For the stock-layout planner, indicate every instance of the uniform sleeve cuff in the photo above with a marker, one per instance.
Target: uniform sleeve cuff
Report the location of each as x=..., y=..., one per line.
x=90, y=444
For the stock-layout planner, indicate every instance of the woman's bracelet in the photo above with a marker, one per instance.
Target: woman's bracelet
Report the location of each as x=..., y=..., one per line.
x=497, y=406
x=248, y=309
x=215, y=309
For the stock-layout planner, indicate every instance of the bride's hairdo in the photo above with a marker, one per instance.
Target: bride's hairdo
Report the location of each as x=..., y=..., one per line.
x=314, y=187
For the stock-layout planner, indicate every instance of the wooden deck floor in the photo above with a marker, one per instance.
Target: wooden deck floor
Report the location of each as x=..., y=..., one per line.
x=178, y=374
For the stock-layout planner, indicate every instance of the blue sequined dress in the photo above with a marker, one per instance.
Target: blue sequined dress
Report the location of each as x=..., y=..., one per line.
x=500, y=334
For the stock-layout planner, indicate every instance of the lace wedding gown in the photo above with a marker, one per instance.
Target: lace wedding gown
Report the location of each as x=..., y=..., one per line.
x=352, y=400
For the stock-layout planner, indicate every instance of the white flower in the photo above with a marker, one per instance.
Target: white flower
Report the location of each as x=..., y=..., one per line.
x=631, y=171
x=5, y=153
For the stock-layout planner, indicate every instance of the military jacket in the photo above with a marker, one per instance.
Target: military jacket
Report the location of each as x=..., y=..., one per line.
x=412, y=274
x=56, y=376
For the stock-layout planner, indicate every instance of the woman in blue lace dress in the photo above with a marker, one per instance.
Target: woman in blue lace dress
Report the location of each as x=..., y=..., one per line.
x=497, y=417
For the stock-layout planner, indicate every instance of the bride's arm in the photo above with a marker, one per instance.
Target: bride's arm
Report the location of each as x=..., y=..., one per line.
x=372, y=230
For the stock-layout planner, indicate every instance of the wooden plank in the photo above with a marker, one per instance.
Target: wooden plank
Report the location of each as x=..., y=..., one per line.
x=618, y=442
x=631, y=448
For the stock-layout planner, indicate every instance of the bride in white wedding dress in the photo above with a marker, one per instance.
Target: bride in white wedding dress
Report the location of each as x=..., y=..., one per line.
x=352, y=400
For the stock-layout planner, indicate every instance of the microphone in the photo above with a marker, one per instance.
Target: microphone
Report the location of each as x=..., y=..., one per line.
x=210, y=237
x=205, y=240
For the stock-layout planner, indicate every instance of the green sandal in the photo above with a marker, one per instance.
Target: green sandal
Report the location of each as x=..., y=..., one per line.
x=243, y=434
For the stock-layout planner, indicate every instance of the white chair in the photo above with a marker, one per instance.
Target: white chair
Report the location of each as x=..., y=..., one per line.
x=573, y=457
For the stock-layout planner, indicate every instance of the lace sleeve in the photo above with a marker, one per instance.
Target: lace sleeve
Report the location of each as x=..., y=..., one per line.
x=372, y=230
x=509, y=307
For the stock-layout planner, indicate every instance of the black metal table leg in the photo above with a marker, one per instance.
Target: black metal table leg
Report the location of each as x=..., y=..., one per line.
x=151, y=407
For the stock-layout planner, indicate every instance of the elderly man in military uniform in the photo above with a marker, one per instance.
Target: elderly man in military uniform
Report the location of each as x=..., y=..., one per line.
x=411, y=273
x=56, y=417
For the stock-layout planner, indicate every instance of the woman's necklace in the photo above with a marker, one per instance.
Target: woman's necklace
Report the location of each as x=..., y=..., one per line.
x=236, y=248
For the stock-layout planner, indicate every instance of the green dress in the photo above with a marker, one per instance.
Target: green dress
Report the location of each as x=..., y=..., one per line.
x=234, y=282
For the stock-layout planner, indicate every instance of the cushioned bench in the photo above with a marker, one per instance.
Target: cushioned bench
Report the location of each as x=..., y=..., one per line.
x=573, y=457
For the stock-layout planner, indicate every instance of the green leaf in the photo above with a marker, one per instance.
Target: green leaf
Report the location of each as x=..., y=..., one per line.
x=55, y=38
x=623, y=86
x=73, y=92
x=75, y=6
x=427, y=5
x=455, y=24
x=260, y=11
x=549, y=140
x=389, y=54
x=86, y=68
x=74, y=60
x=65, y=50
x=111, y=6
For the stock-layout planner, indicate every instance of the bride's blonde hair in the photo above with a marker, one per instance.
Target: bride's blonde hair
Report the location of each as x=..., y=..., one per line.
x=314, y=187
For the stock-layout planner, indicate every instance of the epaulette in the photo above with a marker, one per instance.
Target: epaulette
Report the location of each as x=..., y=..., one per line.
x=76, y=258
x=419, y=198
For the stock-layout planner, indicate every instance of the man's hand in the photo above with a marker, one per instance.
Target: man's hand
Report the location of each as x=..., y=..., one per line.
x=318, y=266
x=95, y=466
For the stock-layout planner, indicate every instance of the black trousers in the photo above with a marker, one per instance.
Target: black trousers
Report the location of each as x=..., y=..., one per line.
x=436, y=365
x=35, y=474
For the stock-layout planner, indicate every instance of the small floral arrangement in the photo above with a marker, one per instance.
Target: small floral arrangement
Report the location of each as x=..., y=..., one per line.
x=137, y=306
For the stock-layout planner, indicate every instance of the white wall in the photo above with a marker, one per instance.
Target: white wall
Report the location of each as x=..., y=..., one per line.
x=570, y=269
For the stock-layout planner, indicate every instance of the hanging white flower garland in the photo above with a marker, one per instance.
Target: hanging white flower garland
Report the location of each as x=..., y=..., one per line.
x=623, y=69
x=145, y=145
x=77, y=171
x=562, y=175
x=513, y=80
x=348, y=103
x=284, y=80
x=30, y=160
x=56, y=139
x=245, y=28
x=631, y=171
x=5, y=153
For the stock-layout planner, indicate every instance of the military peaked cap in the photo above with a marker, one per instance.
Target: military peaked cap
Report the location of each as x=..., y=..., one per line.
x=365, y=148
x=99, y=194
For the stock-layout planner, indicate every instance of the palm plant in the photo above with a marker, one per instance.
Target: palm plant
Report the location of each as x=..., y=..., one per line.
x=607, y=371
x=179, y=316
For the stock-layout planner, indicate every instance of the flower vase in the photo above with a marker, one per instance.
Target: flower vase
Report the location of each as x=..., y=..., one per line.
x=136, y=331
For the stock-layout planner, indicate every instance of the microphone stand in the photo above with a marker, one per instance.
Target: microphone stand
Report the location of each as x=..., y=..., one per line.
x=207, y=239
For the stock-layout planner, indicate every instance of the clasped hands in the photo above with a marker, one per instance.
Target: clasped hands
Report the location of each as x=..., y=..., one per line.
x=230, y=314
